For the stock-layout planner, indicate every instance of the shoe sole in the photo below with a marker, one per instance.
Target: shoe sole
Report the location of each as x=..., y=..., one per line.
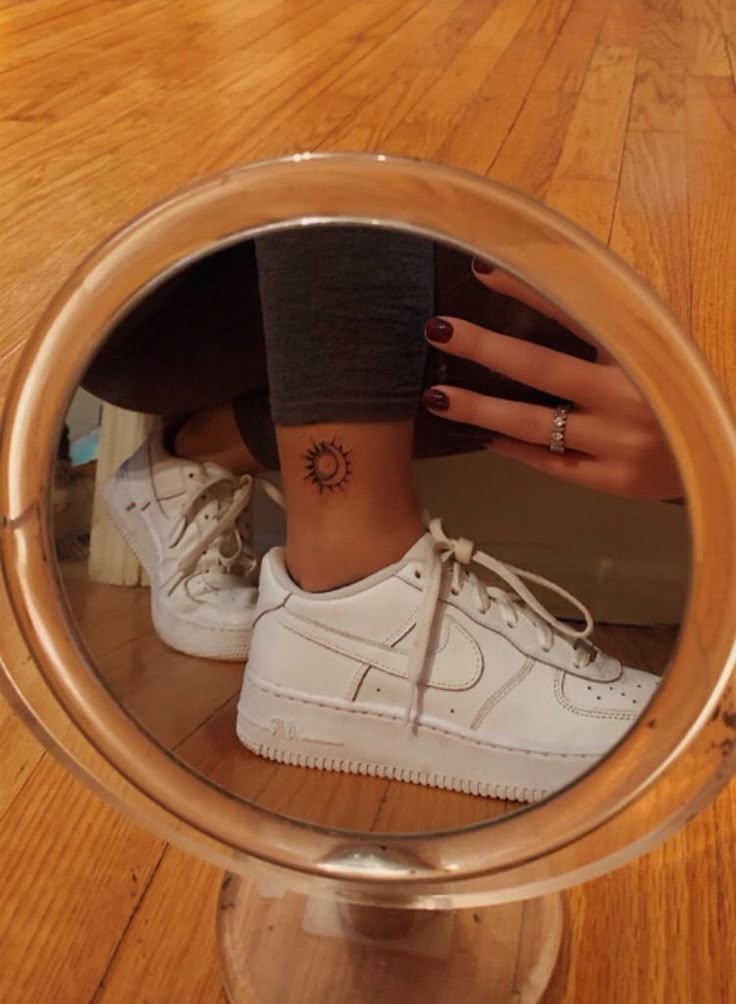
x=294, y=729
x=174, y=631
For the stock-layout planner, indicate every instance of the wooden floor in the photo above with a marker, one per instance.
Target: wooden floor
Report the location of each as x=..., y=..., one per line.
x=621, y=114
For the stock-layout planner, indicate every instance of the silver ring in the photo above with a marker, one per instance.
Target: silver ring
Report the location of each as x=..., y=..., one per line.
x=559, y=427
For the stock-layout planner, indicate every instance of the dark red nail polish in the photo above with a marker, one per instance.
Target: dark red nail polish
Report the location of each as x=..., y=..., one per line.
x=435, y=400
x=482, y=267
x=437, y=330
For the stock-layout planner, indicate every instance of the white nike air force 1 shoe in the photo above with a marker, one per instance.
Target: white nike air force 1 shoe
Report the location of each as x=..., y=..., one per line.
x=188, y=524
x=424, y=673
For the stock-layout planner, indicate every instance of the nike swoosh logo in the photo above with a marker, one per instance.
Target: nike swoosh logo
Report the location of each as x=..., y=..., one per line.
x=457, y=662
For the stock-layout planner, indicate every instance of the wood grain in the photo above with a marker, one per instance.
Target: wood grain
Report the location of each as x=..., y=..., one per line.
x=73, y=873
x=568, y=58
x=650, y=229
x=620, y=114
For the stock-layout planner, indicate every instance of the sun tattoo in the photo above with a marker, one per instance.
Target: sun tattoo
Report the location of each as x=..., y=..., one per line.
x=328, y=466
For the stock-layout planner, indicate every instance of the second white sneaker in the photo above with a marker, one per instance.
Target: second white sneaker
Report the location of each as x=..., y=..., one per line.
x=424, y=673
x=188, y=524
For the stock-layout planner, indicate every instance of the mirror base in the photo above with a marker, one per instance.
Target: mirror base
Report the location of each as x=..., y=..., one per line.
x=295, y=949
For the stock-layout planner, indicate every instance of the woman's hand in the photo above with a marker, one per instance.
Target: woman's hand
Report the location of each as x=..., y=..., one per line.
x=613, y=441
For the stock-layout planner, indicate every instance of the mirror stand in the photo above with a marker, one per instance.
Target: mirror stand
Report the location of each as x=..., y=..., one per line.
x=295, y=949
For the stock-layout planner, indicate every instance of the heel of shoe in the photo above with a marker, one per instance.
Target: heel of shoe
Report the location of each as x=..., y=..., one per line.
x=131, y=525
x=300, y=732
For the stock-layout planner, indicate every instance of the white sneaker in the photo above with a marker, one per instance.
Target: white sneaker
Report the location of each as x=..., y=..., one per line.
x=424, y=673
x=188, y=524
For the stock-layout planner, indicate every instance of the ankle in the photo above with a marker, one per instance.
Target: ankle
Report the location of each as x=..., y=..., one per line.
x=336, y=556
x=350, y=500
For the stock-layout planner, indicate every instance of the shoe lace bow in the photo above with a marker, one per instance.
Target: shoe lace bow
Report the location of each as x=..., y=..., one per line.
x=458, y=554
x=231, y=495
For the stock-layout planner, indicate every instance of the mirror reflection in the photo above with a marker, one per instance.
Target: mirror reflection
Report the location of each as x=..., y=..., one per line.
x=438, y=525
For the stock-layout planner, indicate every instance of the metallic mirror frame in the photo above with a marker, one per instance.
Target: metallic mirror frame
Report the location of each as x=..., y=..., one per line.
x=672, y=763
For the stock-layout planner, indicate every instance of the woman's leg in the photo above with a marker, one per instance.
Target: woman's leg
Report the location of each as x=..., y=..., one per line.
x=238, y=436
x=343, y=310
x=192, y=350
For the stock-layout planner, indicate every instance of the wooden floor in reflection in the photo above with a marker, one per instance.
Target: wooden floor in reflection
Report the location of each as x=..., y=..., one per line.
x=189, y=705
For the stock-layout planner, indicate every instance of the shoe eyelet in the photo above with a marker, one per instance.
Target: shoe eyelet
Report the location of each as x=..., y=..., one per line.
x=417, y=574
x=455, y=592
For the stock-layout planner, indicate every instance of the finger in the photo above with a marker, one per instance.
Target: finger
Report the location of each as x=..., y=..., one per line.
x=557, y=373
x=501, y=282
x=576, y=468
x=531, y=423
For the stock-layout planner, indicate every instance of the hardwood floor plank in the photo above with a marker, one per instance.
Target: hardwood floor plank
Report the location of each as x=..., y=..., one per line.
x=567, y=61
x=47, y=98
x=181, y=966
x=588, y=202
x=589, y=152
x=442, y=34
x=466, y=117
x=707, y=54
x=20, y=755
x=660, y=975
x=19, y=18
x=585, y=181
x=658, y=102
x=623, y=24
x=728, y=24
x=711, y=167
x=99, y=863
x=650, y=228
x=73, y=27
x=482, y=129
x=315, y=111
x=530, y=153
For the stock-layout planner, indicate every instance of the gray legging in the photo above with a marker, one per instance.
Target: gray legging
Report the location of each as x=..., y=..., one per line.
x=307, y=326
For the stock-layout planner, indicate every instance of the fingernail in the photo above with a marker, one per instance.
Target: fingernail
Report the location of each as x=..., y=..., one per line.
x=435, y=400
x=482, y=267
x=437, y=330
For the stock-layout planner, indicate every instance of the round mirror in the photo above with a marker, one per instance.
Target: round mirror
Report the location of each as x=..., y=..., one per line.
x=488, y=639
x=416, y=384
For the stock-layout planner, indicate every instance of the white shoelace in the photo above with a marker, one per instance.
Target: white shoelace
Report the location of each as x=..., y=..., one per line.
x=459, y=554
x=232, y=497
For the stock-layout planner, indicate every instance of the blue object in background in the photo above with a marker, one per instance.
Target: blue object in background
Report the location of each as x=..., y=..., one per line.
x=86, y=448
